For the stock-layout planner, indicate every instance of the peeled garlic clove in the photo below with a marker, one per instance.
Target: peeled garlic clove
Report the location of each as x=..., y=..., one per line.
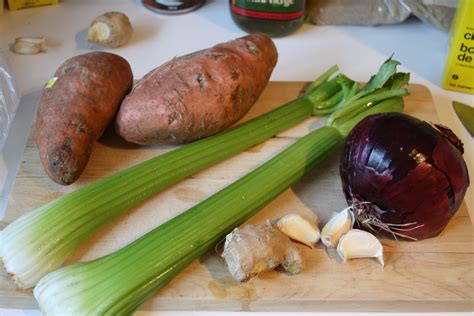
x=337, y=226
x=300, y=229
x=29, y=45
x=357, y=243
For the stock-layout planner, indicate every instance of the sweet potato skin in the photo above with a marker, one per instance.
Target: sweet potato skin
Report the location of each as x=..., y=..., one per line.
x=199, y=94
x=76, y=109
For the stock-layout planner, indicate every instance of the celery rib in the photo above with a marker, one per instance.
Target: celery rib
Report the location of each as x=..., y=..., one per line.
x=151, y=261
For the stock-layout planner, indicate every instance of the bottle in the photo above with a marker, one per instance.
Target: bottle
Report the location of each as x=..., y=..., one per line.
x=459, y=68
x=275, y=18
x=172, y=6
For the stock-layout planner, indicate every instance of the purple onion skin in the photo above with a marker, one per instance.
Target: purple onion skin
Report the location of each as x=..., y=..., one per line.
x=406, y=167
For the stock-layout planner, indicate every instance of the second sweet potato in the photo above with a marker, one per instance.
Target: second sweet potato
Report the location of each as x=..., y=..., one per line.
x=199, y=94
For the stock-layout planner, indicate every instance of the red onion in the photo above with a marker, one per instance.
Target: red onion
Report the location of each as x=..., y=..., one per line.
x=403, y=176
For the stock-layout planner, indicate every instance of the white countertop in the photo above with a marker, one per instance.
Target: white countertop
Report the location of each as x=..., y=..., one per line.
x=157, y=38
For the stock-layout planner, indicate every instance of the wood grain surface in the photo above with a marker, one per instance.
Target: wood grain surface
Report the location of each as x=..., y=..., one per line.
x=430, y=275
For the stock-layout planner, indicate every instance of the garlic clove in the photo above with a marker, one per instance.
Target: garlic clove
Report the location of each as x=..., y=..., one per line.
x=357, y=243
x=337, y=226
x=300, y=229
x=29, y=45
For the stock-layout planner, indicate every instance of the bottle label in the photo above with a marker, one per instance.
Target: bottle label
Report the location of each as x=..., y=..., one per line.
x=269, y=9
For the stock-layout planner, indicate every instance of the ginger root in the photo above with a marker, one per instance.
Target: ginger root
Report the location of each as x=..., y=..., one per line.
x=111, y=29
x=254, y=249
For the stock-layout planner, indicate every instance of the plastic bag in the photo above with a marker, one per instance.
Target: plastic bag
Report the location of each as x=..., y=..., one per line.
x=360, y=12
x=438, y=13
x=9, y=99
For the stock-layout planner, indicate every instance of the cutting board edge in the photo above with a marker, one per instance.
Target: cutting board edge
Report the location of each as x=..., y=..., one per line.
x=267, y=305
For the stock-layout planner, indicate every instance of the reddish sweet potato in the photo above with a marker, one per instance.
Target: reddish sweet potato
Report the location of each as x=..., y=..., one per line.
x=74, y=111
x=199, y=94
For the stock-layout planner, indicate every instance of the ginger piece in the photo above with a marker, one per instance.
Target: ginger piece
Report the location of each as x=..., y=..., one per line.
x=111, y=29
x=251, y=250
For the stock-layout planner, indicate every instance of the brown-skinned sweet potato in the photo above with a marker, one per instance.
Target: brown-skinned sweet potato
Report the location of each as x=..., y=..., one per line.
x=199, y=94
x=75, y=109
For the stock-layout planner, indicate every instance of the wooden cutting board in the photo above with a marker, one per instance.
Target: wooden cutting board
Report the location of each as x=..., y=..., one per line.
x=430, y=275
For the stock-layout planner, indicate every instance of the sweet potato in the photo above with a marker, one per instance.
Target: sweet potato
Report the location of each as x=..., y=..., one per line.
x=75, y=108
x=199, y=94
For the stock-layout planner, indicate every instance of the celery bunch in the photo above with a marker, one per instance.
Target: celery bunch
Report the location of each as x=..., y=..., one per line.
x=41, y=240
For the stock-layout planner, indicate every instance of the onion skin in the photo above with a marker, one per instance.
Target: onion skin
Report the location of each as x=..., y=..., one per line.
x=408, y=168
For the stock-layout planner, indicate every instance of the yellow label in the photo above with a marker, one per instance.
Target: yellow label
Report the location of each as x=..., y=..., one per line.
x=459, y=71
x=22, y=4
x=51, y=83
